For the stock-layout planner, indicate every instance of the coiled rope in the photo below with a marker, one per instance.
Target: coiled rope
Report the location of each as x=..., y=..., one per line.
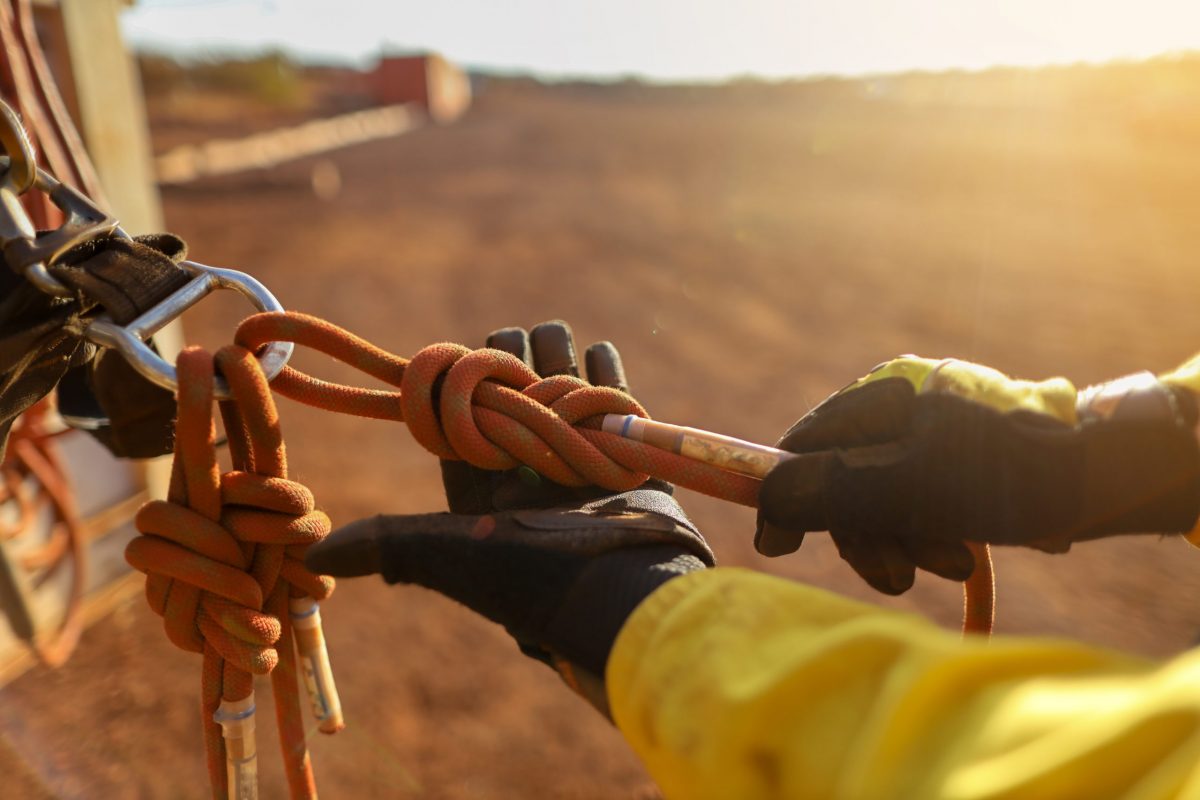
x=224, y=553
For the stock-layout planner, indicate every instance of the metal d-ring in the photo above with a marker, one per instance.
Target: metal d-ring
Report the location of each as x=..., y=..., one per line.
x=130, y=340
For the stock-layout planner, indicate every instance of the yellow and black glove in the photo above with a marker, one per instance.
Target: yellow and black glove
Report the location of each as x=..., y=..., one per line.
x=907, y=463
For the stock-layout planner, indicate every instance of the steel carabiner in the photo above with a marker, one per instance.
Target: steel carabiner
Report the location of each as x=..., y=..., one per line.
x=130, y=340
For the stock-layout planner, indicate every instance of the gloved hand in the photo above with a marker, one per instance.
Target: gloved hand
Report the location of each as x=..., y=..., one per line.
x=561, y=575
x=915, y=458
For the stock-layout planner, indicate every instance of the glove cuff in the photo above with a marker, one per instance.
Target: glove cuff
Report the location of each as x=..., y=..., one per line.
x=1151, y=429
x=603, y=596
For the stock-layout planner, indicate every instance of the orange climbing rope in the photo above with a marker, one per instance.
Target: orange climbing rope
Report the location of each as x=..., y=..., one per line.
x=224, y=555
x=496, y=413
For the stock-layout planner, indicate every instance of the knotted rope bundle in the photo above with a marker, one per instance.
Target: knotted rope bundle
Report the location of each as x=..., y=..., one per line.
x=224, y=554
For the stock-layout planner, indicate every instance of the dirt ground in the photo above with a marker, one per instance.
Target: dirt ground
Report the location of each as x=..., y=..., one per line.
x=749, y=252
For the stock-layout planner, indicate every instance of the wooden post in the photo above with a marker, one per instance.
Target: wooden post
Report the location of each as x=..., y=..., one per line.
x=112, y=113
x=83, y=43
x=112, y=117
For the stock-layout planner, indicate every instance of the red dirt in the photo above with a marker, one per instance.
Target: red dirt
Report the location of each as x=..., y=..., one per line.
x=749, y=254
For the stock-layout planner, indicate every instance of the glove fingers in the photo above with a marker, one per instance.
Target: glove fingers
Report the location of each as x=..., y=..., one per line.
x=771, y=541
x=512, y=582
x=792, y=496
x=880, y=561
x=469, y=489
x=553, y=347
x=604, y=366
x=512, y=340
x=948, y=559
x=550, y=350
x=379, y=543
x=360, y=548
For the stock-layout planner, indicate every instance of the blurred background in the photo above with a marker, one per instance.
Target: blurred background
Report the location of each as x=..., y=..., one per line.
x=755, y=201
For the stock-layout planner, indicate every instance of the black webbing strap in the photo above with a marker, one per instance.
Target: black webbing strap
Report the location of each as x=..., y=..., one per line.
x=122, y=278
x=127, y=277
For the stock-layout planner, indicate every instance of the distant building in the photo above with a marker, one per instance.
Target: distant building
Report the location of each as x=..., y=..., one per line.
x=428, y=80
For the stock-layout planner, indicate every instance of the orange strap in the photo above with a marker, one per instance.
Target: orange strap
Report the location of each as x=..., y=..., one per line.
x=27, y=82
x=224, y=553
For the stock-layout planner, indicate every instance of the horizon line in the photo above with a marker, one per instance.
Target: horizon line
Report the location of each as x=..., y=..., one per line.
x=365, y=61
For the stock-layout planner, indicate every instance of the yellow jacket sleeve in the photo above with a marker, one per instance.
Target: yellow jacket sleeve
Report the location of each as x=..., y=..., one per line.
x=734, y=684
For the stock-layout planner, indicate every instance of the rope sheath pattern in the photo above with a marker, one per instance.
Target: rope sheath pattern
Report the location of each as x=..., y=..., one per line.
x=224, y=553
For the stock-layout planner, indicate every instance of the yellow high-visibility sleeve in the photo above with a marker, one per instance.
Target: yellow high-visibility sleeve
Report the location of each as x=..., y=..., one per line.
x=733, y=684
x=1054, y=397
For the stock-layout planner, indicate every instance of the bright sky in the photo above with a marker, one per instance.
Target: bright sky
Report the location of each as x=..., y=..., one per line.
x=684, y=39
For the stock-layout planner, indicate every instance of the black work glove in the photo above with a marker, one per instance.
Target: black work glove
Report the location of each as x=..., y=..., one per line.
x=561, y=579
x=908, y=463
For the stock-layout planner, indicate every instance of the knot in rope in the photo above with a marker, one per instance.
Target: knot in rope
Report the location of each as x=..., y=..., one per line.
x=488, y=408
x=203, y=577
x=223, y=554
